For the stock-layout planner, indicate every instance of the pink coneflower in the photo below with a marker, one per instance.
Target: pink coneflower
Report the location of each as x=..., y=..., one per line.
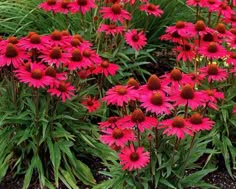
x=111, y=29
x=196, y=78
x=54, y=56
x=32, y=41
x=77, y=60
x=12, y=55
x=119, y=95
x=63, y=6
x=156, y=103
x=174, y=37
x=212, y=96
x=230, y=19
x=106, y=68
x=34, y=75
x=137, y=118
x=82, y=6
x=177, y=126
x=49, y=5
x=200, y=28
x=182, y=28
x=195, y=3
x=186, y=52
x=77, y=41
x=111, y=122
x=91, y=104
x=231, y=41
x=136, y=40
x=199, y=123
x=225, y=10
x=212, y=51
x=213, y=72
x=231, y=59
x=153, y=84
x=222, y=32
x=133, y=83
x=206, y=39
x=62, y=89
x=132, y=158
x=52, y=72
x=212, y=5
x=151, y=9
x=176, y=78
x=117, y=136
x=115, y=13
x=56, y=38
x=188, y=97
x=91, y=57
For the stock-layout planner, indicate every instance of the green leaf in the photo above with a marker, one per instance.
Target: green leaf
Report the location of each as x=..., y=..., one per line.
x=69, y=179
x=167, y=183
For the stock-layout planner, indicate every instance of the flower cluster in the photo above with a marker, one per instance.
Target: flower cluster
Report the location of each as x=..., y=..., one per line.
x=52, y=61
x=114, y=15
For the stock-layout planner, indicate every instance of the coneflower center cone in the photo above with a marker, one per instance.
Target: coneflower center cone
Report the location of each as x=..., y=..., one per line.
x=221, y=28
x=133, y=83
x=87, y=53
x=156, y=99
x=187, y=92
x=137, y=116
x=151, y=7
x=76, y=55
x=121, y=90
x=212, y=69
x=180, y=24
x=65, y=3
x=105, y=64
x=134, y=156
x=11, y=51
x=50, y=71
x=196, y=119
x=62, y=86
x=208, y=37
x=37, y=74
x=56, y=36
x=51, y=2
x=153, y=83
x=212, y=47
x=178, y=122
x=200, y=26
x=82, y=2
x=55, y=53
x=116, y=8
x=35, y=39
x=75, y=42
x=12, y=40
x=135, y=37
x=117, y=133
x=176, y=75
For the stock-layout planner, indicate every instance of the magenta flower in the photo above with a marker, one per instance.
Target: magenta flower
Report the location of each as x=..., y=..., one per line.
x=117, y=136
x=157, y=103
x=137, y=118
x=212, y=51
x=151, y=9
x=34, y=75
x=49, y=5
x=136, y=40
x=119, y=95
x=91, y=104
x=62, y=89
x=106, y=68
x=177, y=126
x=132, y=158
x=12, y=55
x=111, y=29
x=213, y=73
x=199, y=123
x=115, y=13
x=82, y=6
